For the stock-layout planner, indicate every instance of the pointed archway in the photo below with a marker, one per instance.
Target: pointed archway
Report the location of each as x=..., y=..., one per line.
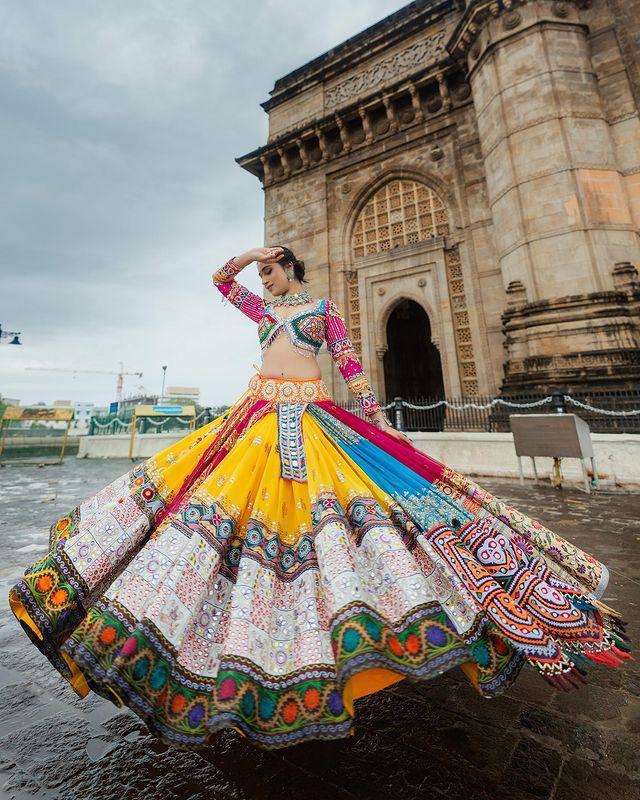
x=412, y=366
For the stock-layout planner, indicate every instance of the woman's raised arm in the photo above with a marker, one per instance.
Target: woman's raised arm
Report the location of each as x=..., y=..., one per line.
x=224, y=279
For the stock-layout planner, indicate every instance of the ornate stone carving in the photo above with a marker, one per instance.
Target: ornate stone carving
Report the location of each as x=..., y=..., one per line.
x=579, y=341
x=560, y=9
x=380, y=351
x=415, y=102
x=516, y=294
x=444, y=91
x=283, y=161
x=344, y=136
x=381, y=126
x=366, y=124
x=304, y=158
x=406, y=115
x=625, y=277
x=267, y=177
x=390, y=112
x=322, y=142
x=387, y=70
x=511, y=20
x=477, y=14
x=353, y=303
x=462, y=328
x=458, y=86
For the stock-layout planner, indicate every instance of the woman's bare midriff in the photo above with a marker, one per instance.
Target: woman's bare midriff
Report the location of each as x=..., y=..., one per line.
x=282, y=360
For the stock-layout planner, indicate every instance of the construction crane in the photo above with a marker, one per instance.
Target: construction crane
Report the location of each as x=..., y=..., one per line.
x=119, y=383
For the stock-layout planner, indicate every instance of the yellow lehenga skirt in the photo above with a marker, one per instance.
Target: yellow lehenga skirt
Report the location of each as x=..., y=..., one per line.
x=288, y=558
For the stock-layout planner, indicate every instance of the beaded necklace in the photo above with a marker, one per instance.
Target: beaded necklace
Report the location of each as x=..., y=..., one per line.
x=292, y=299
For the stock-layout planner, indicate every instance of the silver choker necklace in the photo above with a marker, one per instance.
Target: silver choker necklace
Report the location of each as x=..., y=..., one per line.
x=293, y=299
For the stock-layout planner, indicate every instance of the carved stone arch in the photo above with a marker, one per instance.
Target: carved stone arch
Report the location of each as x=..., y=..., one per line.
x=393, y=302
x=411, y=360
x=430, y=181
x=430, y=195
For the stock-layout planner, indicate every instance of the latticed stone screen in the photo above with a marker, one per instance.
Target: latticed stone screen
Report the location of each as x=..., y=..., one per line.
x=399, y=213
x=354, y=312
x=461, y=324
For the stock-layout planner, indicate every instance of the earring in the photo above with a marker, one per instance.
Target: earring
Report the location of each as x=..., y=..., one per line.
x=289, y=275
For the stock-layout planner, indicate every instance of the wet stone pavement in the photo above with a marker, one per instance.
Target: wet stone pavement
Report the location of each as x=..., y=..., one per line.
x=430, y=739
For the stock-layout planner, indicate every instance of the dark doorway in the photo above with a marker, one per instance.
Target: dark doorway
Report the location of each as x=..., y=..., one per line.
x=412, y=367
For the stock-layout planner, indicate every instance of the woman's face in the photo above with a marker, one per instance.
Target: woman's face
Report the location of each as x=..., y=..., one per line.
x=274, y=277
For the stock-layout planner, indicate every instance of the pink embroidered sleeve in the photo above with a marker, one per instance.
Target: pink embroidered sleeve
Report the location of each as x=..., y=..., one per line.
x=251, y=304
x=344, y=356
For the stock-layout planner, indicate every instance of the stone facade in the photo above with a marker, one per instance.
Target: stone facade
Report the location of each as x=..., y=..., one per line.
x=463, y=179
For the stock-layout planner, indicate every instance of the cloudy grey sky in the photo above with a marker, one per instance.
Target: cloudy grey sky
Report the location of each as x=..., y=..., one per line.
x=119, y=127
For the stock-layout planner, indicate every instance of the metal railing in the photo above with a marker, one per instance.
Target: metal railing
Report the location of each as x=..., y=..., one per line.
x=604, y=412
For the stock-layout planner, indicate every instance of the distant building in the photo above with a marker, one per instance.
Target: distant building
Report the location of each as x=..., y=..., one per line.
x=183, y=395
x=82, y=416
x=183, y=391
x=138, y=399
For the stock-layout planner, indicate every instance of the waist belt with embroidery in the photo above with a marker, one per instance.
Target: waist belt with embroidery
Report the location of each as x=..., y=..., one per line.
x=292, y=398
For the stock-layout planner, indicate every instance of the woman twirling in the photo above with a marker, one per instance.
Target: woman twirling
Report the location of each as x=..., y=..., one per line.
x=289, y=557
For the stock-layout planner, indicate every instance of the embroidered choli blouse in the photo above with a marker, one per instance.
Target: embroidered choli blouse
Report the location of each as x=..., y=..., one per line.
x=306, y=330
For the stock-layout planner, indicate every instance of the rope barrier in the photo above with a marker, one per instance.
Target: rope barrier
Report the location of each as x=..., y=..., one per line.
x=606, y=411
x=463, y=406
x=115, y=420
x=406, y=404
x=164, y=421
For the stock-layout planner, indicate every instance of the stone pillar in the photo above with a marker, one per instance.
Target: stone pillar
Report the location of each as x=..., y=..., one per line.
x=561, y=213
x=415, y=102
x=444, y=91
x=283, y=160
x=390, y=112
x=344, y=135
x=322, y=144
x=268, y=179
x=303, y=153
x=366, y=124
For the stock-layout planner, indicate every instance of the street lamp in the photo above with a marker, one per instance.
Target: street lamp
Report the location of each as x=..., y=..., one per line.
x=164, y=375
x=7, y=334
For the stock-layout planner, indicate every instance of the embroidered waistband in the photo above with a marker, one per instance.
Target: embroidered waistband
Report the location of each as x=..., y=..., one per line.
x=289, y=390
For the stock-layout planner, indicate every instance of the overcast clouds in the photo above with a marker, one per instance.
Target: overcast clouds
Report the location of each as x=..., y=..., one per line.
x=120, y=194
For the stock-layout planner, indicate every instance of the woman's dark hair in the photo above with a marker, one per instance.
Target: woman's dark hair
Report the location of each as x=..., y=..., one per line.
x=288, y=257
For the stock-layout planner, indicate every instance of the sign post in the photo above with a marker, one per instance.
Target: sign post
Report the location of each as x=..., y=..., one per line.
x=555, y=436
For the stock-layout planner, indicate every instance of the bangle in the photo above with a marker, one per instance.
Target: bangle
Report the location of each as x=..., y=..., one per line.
x=227, y=272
